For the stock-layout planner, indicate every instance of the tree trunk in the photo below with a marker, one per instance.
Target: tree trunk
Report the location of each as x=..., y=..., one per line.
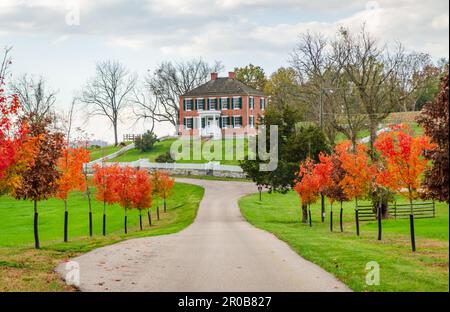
x=165, y=209
x=125, y=223
x=36, y=230
x=149, y=217
x=341, y=224
x=322, y=203
x=331, y=217
x=88, y=192
x=66, y=221
x=157, y=213
x=304, y=213
x=411, y=222
x=104, y=218
x=373, y=127
x=140, y=218
x=116, y=139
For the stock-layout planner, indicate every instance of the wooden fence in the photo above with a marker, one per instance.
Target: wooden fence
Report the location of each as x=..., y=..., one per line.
x=131, y=137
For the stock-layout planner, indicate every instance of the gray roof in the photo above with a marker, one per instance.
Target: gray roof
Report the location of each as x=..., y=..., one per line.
x=223, y=86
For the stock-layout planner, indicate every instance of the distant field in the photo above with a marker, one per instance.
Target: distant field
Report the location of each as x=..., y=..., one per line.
x=164, y=146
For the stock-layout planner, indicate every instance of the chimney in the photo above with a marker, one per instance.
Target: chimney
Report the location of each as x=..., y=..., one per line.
x=213, y=76
x=231, y=75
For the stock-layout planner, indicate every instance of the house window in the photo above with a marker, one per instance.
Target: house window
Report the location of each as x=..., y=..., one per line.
x=237, y=103
x=200, y=104
x=225, y=121
x=188, y=122
x=224, y=103
x=212, y=104
x=237, y=121
x=251, y=103
x=262, y=103
x=251, y=121
x=188, y=104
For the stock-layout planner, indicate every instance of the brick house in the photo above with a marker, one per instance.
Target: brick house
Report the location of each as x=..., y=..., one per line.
x=221, y=107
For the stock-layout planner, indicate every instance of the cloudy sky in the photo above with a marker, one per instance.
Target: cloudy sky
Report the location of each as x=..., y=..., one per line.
x=63, y=39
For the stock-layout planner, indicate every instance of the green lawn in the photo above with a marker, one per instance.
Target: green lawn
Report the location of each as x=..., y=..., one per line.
x=345, y=255
x=24, y=269
x=164, y=146
x=97, y=153
x=417, y=130
x=135, y=154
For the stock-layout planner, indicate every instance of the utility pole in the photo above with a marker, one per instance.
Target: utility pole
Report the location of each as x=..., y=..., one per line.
x=322, y=197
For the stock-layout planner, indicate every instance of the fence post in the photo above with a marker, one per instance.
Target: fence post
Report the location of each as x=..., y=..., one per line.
x=434, y=210
x=357, y=221
x=379, y=221
x=395, y=210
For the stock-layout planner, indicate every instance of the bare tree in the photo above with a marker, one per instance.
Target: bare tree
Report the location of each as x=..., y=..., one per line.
x=163, y=88
x=65, y=121
x=373, y=69
x=324, y=83
x=108, y=92
x=5, y=61
x=36, y=98
x=413, y=73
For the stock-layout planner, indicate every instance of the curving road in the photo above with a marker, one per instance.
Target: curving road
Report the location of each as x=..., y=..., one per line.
x=220, y=251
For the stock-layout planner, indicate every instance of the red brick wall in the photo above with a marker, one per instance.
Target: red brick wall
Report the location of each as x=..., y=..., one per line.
x=245, y=112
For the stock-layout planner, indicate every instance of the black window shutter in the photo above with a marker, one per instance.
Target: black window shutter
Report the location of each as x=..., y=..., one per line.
x=184, y=122
x=220, y=103
x=240, y=103
x=220, y=122
x=232, y=121
x=184, y=104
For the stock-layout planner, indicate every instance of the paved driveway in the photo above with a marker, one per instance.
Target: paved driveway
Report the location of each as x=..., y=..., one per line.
x=220, y=251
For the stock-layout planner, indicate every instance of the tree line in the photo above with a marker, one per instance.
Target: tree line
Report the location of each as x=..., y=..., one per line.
x=343, y=83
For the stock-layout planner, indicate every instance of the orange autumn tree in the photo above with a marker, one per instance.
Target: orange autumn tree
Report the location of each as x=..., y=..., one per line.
x=142, y=192
x=333, y=190
x=323, y=171
x=70, y=165
x=165, y=187
x=104, y=181
x=124, y=189
x=307, y=185
x=17, y=145
x=404, y=164
x=359, y=172
x=155, y=178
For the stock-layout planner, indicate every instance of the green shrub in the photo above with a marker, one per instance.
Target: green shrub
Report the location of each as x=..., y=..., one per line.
x=164, y=158
x=146, y=141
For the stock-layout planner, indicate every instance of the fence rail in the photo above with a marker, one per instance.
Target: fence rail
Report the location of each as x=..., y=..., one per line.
x=420, y=210
x=399, y=211
x=131, y=137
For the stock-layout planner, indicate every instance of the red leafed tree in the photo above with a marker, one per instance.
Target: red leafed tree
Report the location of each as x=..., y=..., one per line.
x=307, y=186
x=104, y=181
x=124, y=189
x=404, y=163
x=165, y=187
x=17, y=146
x=71, y=165
x=142, y=192
x=334, y=190
x=434, y=118
x=39, y=181
x=359, y=172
